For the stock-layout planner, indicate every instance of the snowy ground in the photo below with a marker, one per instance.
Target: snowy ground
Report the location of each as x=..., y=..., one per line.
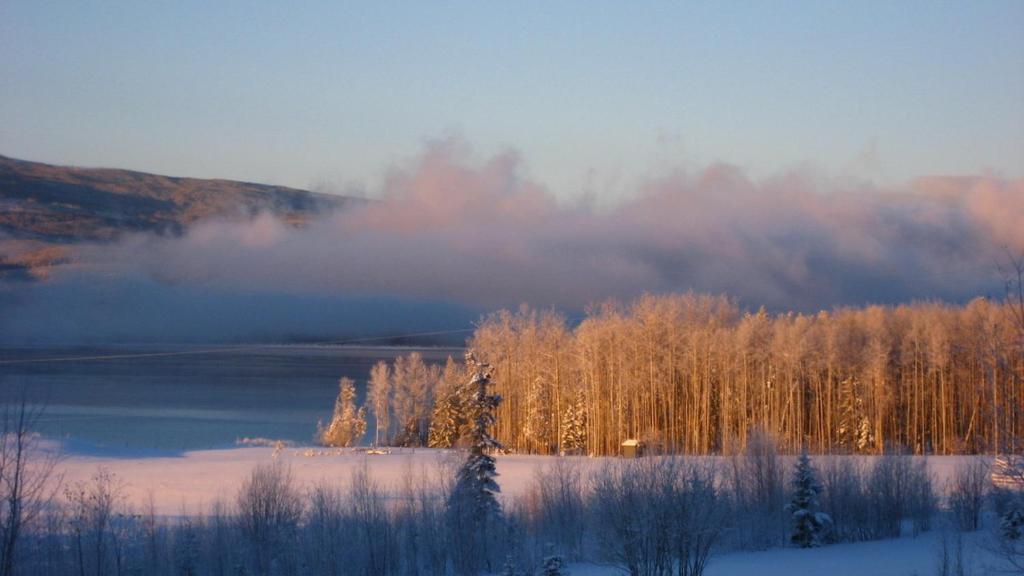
x=190, y=481
x=187, y=482
x=898, y=557
x=194, y=479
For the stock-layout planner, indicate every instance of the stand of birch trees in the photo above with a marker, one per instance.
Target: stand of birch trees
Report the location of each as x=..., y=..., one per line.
x=691, y=373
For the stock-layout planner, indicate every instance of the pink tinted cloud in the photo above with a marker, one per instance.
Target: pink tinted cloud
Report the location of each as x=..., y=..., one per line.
x=480, y=232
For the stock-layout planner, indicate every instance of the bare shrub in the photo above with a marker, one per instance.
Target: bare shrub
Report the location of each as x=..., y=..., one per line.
x=555, y=506
x=951, y=558
x=900, y=487
x=968, y=489
x=269, y=510
x=699, y=518
x=325, y=526
x=187, y=536
x=374, y=536
x=27, y=479
x=93, y=510
x=421, y=522
x=657, y=516
x=843, y=498
x=221, y=541
x=757, y=483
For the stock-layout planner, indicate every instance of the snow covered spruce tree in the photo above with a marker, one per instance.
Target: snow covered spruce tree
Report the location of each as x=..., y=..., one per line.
x=809, y=524
x=474, y=513
x=1009, y=471
x=553, y=565
x=1009, y=546
x=574, y=427
x=348, y=424
x=445, y=421
x=1011, y=525
x=448, y=419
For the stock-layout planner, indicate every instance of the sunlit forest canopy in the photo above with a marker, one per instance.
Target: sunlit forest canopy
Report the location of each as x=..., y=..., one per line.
x=694, y=373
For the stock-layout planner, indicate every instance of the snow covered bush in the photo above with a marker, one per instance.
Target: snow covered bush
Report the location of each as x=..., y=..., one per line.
x=1008, y=543
x=809, y=524
x=553, y=565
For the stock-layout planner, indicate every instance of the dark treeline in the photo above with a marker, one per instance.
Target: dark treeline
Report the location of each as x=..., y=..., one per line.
x=693, y=373
x=664, y=516
x=658, y=516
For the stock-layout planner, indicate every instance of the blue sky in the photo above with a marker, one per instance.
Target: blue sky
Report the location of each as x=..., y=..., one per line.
x=594, y=96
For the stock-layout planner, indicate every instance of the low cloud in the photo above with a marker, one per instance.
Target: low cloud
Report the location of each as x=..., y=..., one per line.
x=455, y=233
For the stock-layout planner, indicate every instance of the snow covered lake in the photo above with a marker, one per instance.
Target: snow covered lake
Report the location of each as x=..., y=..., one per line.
x=187, y=398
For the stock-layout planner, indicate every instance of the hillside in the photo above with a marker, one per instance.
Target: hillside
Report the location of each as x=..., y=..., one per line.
x=45, y=209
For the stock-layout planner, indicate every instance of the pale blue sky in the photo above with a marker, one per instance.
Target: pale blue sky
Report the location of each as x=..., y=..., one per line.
x=594, y=95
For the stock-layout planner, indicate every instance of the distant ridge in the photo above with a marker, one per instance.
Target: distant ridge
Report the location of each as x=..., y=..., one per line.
x=46, y=209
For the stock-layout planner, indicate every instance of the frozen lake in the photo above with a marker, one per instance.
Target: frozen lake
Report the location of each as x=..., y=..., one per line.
x=186, y=398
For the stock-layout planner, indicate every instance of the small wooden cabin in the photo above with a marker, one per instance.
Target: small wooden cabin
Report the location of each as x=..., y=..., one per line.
x=632, y=448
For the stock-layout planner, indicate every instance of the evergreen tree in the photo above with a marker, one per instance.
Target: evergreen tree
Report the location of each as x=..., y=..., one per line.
x=348, y=424
x=574, y=427
x=473, y=506
x=445, y=421
x=475, y=479
x=1012, y=524
x=854, y=427
x=809, y=525
x=448, y=420
x=553, y=566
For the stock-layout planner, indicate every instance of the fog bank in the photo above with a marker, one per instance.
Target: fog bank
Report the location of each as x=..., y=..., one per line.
x=452, y=235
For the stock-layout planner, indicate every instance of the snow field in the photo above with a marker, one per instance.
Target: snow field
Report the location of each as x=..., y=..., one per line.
x=189, y=481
